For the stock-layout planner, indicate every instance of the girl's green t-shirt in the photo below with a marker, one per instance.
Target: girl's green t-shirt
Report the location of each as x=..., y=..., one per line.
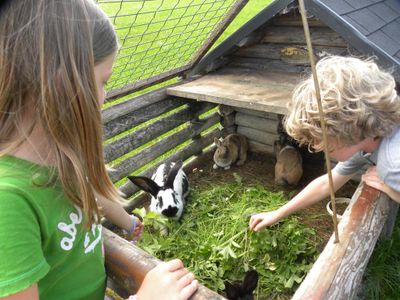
x=43, y=238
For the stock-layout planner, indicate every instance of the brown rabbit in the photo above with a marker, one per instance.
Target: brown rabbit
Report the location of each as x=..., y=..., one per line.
x=232, y=149
x=289, y=165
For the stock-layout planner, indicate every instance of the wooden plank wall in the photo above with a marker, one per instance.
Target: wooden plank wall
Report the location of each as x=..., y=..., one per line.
x=280, y=45
x=261, y=128
x=140, y=130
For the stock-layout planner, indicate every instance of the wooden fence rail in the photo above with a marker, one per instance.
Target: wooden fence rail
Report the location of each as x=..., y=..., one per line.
x=127, y=265
x=338, y=271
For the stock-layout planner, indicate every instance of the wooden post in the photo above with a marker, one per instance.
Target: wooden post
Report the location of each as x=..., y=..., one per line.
x=338, y=271
x=195, y=108
x=127, y=265
x=227, y=119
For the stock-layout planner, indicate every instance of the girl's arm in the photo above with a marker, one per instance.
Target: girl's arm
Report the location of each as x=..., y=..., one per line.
x=115, y=213
x=31, y=293
x=315, y=191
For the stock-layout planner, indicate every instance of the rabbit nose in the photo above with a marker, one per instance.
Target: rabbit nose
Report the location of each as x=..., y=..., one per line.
x=170, y=211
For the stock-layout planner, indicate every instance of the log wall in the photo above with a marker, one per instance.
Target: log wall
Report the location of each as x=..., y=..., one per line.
x=281, y=46
x=278, y=46
x=262, y=129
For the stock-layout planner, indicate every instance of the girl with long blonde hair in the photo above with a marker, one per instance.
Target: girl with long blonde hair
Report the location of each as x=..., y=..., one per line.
x=55, y=58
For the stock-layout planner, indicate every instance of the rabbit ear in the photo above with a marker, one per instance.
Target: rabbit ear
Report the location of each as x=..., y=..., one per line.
x=172, y=174
x=217, y=142
x=232, y=291
x=250, y=281
x=146, y=184
x=277, y=148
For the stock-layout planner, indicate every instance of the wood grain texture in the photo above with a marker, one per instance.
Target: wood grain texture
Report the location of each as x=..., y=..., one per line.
x=194, y=147
x=129, y=165
x=144, y=135
x=338, y=271
x=262, y=137
x=257, y=90
x=320, y=36
x=258, y=123
x=128, y=265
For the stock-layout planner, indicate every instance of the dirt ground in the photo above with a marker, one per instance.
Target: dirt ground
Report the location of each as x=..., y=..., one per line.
x=260, y=168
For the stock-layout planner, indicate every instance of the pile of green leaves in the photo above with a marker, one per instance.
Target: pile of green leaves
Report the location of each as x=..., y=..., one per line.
x=213, y=240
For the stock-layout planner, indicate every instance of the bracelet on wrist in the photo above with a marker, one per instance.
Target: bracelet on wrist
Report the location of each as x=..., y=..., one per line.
x=134, y=224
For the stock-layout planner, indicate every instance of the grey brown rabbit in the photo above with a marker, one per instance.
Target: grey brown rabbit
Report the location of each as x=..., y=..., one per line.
x=232, y=149
x=289, y=165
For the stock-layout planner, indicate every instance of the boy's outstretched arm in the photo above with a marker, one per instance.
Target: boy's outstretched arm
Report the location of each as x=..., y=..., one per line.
x=315, y=191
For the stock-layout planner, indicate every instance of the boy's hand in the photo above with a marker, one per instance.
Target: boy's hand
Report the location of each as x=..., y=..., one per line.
x=168, y=280
x=259, y=221
x=372, y=179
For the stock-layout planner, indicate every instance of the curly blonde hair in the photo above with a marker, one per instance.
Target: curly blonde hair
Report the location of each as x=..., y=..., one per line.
x=359, y=100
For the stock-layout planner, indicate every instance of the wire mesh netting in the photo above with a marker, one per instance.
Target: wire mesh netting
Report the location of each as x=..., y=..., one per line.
x=160, y=37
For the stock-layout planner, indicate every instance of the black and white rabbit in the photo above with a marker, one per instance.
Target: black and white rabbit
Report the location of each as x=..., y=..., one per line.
x=242, y=291
x=168, y=187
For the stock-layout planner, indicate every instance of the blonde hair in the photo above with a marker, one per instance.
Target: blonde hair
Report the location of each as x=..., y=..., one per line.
x=48, y=50
x=359, y=100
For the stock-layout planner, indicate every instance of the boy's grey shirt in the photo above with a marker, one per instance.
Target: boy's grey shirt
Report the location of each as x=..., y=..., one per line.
x=386, y=158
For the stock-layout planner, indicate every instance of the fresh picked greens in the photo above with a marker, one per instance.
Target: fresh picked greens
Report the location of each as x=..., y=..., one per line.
x=213, y=241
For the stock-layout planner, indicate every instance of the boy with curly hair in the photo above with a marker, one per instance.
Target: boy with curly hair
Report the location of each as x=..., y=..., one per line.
x=362, y=115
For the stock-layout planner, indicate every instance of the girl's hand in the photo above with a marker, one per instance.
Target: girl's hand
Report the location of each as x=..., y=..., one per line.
x=168, y=280
x=260, y=221
x=372, y=179
x=135, y=231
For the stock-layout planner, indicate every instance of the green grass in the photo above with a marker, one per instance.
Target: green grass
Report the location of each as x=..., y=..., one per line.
x=158, y=36
x=382, y=277
x=213, y=241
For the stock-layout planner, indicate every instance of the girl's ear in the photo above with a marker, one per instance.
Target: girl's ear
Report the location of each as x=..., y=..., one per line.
x=172, y=174
x=145, y=184
x=250, y=281
x=232, y=291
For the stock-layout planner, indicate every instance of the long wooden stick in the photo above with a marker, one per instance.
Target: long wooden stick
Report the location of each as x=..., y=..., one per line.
x=321, y=115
